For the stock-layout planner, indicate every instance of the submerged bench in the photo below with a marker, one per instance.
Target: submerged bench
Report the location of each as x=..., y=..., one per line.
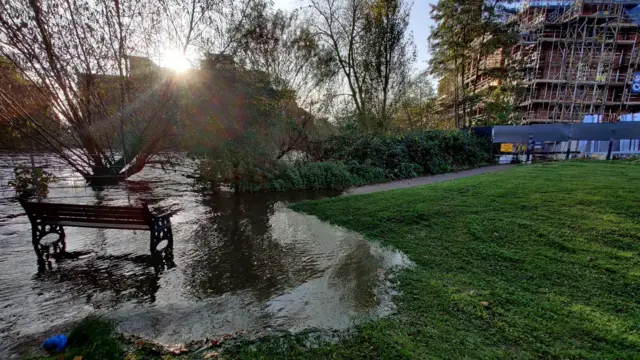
x=49, y=218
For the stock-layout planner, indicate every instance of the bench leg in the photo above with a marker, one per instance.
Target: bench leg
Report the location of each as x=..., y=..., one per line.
x=160, y=231
x=43, y=252
x=35, y=240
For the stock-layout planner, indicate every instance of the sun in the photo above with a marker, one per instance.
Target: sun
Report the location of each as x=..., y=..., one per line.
x=175, y=60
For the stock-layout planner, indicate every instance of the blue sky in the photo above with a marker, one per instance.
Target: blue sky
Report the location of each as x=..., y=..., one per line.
x=419, y=23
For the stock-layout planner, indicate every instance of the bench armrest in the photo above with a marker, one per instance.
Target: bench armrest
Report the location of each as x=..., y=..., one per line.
x=168, y=214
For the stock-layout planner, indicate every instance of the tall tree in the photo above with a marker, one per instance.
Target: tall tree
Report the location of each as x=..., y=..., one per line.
x=374, y=51
x=466, y=34
x=496, y=34
x=281, y=45
x=417, y=106
x=388, y=54
x=450, y=41
x=201, y=26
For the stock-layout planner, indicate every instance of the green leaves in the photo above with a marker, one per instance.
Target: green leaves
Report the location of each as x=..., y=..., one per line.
x=352, y=159
x=411, y=154
x=466, y=35
x=27, y=181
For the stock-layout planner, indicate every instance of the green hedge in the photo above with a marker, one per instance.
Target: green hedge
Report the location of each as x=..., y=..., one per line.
x=411, y=154
x=316, y=175
x=354, y=159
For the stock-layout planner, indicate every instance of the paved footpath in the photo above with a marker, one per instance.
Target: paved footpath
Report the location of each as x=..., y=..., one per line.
x=401, y=184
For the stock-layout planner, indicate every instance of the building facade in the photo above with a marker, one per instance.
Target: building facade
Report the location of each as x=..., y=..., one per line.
x=578, y=60
x=575, y=61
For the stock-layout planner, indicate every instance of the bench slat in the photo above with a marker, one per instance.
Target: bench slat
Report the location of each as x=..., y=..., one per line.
x=114, y=211
x=90, y=216
x=54, y=205
x=97, y=214
x=93, y=213
x=84, y=208
x=56, y=219
x=103, y=225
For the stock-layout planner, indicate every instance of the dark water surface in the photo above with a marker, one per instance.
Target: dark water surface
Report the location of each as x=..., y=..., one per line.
x=242, y=263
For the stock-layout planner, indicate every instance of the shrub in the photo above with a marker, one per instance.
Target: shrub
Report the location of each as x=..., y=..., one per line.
x=325, y=175
x=411, y=154
x=335, y=175
x=24, y=182
x=367, y=174
x=355, y=158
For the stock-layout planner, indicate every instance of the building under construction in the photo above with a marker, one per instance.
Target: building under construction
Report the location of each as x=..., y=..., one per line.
x=576, y=61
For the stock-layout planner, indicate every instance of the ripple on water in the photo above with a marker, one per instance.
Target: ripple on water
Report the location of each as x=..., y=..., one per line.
x=243, y=263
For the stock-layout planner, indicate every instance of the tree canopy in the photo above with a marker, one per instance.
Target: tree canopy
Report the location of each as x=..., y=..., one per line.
x=465, y=34
x=106, y=106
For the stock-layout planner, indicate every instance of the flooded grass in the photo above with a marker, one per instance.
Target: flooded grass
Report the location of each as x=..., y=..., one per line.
x=535, y=262
x=243, y=263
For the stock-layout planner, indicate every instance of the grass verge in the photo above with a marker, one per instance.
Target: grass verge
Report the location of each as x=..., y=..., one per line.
x=91, y=338
x=534, y=262
x=539, y=261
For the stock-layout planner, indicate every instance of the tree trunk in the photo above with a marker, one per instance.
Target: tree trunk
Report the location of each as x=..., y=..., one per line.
x=456, y=84
x=464, y=98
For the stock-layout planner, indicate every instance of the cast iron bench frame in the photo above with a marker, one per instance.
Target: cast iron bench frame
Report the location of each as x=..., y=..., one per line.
x=51, y=218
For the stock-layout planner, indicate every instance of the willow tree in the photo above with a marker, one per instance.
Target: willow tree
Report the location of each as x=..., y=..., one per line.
x=77, y=56
x=11, y=81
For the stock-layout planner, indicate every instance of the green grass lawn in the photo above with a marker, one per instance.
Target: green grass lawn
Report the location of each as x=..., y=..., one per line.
x=539, y=261
x=554, y=249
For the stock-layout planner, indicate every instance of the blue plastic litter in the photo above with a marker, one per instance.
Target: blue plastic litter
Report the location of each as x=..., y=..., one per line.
x=55, y=343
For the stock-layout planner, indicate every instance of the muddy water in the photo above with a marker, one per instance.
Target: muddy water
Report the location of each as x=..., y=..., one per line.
x=242, y=263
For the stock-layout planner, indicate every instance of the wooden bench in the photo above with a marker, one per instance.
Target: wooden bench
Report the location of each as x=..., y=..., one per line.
x=48, y=218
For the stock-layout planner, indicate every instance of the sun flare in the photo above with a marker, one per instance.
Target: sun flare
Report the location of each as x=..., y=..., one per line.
x=175, y=60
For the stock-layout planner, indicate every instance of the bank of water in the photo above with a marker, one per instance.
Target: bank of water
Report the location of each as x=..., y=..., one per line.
x=243, y=262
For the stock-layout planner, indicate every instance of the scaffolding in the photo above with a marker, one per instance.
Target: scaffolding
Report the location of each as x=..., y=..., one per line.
x=577, y=60
x=480, y=78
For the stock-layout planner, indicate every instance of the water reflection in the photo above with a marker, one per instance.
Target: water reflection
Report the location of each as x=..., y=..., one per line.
x=104, y=280
x=289, y=271
x=236, y=249
x=243, y=262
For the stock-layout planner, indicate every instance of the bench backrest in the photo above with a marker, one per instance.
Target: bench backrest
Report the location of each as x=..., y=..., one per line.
x=123, y=215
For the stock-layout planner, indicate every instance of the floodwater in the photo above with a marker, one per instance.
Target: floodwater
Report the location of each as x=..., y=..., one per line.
x=243, y=262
